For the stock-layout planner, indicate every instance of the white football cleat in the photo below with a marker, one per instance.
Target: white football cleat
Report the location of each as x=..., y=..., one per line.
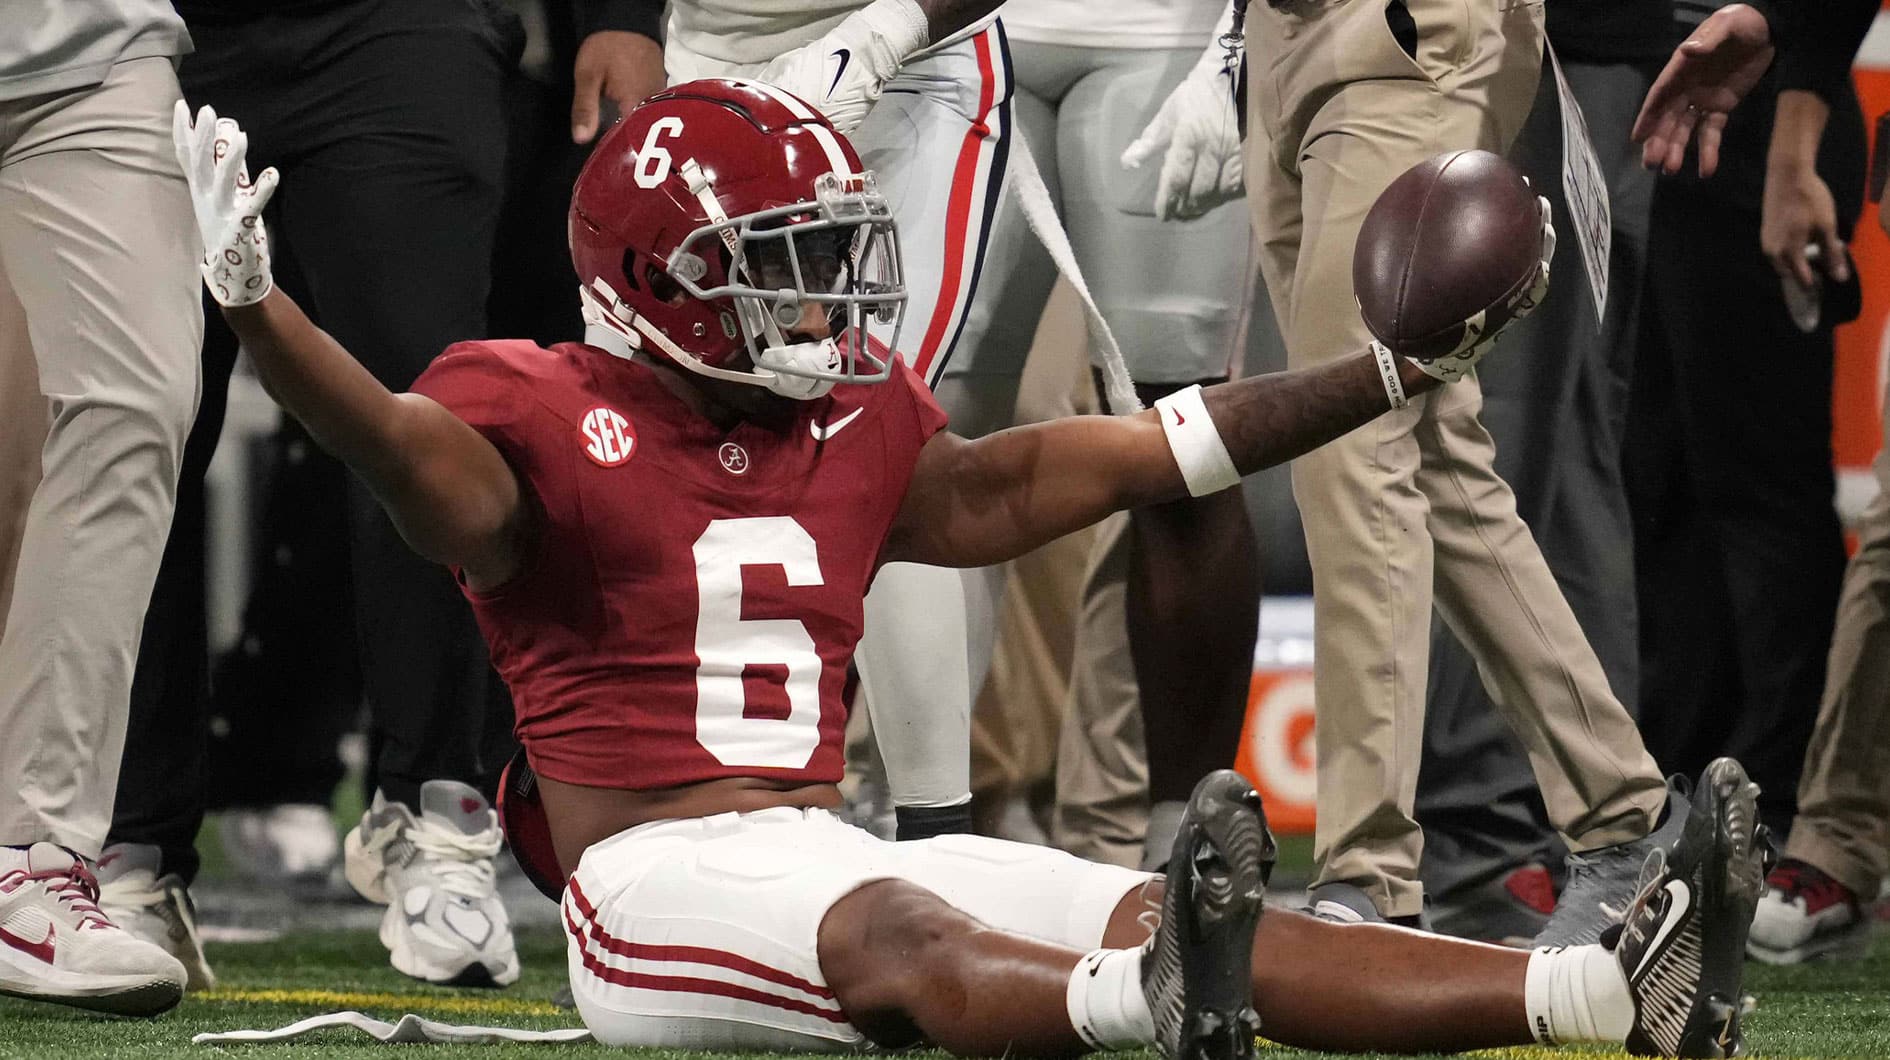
x=57, y=945
x=292, y=844
x=153, y=907
x=444, y=921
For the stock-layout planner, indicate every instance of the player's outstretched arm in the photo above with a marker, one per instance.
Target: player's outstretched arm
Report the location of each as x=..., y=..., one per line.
x=449, y=491
x=972, y=503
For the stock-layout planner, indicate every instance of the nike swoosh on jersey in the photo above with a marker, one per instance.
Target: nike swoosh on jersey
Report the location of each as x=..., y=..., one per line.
x=845, y=55
x=822, y=433
x=43, y=949
x=1680, y=900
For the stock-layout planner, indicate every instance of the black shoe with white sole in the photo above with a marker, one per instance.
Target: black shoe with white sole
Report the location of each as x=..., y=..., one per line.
x=1197, y=969
x=1682, y=944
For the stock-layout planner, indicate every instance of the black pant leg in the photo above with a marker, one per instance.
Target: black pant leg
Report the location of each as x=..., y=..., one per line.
x=1744, y=555
x=282, y=697
x=1759, y=465
x=392, y=212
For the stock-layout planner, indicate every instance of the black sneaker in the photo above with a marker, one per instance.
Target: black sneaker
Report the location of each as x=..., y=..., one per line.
x=1682, y=944
x=1197, y=969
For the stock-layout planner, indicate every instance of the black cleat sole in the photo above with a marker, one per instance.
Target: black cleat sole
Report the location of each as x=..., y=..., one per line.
x=1216, y=883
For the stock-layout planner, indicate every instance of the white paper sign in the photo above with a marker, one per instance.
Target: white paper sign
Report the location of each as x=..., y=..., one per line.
x=1585, y=190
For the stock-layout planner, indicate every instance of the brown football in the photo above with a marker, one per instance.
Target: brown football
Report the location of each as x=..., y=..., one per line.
x=1453, y=237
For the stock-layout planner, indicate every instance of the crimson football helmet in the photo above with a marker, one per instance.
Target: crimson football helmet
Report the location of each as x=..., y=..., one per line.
x=712, y=217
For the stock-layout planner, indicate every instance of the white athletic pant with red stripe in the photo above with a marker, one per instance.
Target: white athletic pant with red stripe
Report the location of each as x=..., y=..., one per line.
x=703, y=934
x=937, y=144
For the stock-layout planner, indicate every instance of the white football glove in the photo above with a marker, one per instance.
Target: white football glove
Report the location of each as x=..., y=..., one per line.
x=843, y=72
x=229, y=206
x=1199, y=135
x=1478, y=338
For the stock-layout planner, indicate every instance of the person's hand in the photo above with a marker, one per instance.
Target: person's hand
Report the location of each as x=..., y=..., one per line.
x=843, y=73
x=626, y=67
x=1709, y=74
x=228, y=205
x=1798, y=212
x=1480, y=332
x=1198, y=136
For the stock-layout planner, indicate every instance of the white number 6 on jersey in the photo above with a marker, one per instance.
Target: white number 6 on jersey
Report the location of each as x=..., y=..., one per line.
x=653, y=162
x=727, y=644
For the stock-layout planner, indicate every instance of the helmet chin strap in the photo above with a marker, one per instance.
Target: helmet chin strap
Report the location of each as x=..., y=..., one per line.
x=606, y=329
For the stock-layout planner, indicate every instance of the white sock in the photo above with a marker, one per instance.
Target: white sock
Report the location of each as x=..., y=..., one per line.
x=1106, y=1003
x=1577, y=994
x=12, y=858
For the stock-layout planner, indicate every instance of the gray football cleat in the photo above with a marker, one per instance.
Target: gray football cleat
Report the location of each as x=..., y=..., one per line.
x=1682, y=945
x=1197, y=968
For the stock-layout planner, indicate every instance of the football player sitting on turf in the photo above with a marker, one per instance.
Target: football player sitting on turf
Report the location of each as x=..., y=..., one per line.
x=667, y=531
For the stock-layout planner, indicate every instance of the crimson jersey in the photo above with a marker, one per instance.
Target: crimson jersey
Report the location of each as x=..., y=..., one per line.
x=693, y=597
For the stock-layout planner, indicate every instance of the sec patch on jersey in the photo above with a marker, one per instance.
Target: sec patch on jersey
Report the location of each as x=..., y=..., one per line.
x=609, y=438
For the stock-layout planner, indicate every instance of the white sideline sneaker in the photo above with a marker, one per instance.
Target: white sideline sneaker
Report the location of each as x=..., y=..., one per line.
x=57, y=945
x=294, y=843
x=1806, y=915
x=155, y=908
x=444, y=922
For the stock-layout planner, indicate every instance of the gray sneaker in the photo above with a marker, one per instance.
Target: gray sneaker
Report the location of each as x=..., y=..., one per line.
x=1343, y=903
x=434, y=871
x=1602, y=882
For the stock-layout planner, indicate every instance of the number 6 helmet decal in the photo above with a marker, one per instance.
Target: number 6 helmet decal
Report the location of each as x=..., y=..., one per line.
x=710, y=219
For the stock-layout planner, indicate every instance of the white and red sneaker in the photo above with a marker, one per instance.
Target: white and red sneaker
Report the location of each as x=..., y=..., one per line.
x=1805, y=914
x=57, y=945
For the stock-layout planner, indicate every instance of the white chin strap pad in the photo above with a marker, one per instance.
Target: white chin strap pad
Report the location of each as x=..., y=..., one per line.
x=821, y=356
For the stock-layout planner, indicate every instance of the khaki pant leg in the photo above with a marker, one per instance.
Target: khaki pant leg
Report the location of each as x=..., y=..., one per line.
x=99, y=245
x=23, y=424
x=1843, y=823
x=1018, y=715
x=1498, y=596
x=1102, y=760
x=1339, y=110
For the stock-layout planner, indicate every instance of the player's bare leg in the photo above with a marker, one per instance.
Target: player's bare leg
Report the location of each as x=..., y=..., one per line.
x=906, y=966
x=1193, y=605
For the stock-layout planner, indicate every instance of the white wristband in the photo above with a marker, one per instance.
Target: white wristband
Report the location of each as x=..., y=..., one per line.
x=1388, y=371
x=1205, y=464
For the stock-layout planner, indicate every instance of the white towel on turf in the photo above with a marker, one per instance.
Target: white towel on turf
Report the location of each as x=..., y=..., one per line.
x=411, y=1028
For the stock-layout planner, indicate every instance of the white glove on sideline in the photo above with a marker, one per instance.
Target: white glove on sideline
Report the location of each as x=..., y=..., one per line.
x=843, y=72
x=1199, y=135
x=229, y=207
x=1479, y=335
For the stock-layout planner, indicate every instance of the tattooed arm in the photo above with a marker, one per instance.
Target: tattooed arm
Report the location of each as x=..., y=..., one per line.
x=972, y=503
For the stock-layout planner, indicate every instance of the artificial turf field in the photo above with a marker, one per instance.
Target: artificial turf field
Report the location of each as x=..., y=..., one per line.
x=1836, y=1009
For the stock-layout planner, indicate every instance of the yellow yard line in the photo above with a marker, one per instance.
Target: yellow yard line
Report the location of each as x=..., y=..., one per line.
x=420, y=1003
